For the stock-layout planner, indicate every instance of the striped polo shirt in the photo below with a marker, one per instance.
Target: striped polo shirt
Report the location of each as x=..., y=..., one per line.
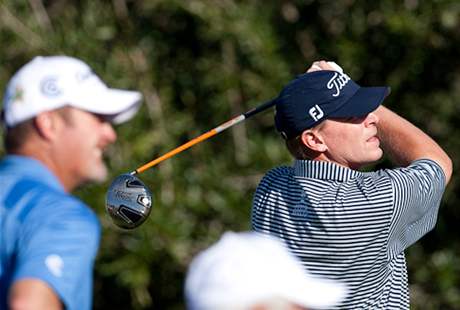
x=352, y=226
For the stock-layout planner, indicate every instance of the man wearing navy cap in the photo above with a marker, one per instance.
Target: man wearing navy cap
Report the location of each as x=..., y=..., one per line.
x=345, y=224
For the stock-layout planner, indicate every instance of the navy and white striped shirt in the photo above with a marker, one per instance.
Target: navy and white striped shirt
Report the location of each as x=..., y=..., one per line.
x=352, y=226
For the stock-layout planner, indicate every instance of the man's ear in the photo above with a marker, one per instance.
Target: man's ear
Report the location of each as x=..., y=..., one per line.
x=46, y=123
x=313, y=140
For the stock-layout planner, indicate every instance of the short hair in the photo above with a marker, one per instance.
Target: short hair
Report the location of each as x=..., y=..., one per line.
x=15, y=137
x=298, y=149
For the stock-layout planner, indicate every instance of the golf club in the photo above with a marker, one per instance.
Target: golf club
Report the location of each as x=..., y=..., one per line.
x=129, y=201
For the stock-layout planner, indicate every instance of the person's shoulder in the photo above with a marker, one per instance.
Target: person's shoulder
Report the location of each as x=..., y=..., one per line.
x=71, y=207
x=421, y=171
x=49, y=204
x=278, y=175
x=46, y=195
x=66, y=215
x=280, y=171
x=74, y=207
x=425, y=166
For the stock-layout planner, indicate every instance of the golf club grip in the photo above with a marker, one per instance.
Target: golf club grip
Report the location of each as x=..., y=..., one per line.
x=260, y=108
x=205, y=136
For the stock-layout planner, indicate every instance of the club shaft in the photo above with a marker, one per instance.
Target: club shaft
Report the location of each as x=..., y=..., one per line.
x=205, y=136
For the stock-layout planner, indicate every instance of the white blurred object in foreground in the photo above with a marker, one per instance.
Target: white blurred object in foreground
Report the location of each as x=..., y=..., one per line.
x=245, y=270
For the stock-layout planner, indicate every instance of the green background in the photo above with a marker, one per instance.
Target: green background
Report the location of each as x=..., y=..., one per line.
x=198, y=63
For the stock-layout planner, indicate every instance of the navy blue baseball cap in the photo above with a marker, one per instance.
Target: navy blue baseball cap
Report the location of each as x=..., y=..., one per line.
x=314, y=97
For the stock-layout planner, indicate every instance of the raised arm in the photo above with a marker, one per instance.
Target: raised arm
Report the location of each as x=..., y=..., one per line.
x=405, y=143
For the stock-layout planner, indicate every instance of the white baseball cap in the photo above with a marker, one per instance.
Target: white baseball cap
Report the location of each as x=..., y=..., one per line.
x=245, y=269
x=48, y=83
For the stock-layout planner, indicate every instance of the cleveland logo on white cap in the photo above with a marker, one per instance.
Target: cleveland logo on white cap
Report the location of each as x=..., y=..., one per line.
x=49, y=86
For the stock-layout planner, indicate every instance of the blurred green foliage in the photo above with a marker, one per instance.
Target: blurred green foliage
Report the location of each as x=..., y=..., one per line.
x=198, y=63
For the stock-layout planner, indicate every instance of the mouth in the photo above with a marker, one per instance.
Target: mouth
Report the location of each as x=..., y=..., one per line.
x=373, y=139
x=100, y=151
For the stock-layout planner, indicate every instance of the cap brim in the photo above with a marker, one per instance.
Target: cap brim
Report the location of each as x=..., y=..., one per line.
x=120, y=105
x=364, y=101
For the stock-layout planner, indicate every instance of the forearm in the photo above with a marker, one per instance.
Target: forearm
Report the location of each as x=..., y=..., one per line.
x=404, y=142
x=33, y=294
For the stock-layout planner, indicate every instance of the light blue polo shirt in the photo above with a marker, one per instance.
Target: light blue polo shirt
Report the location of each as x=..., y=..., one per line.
x=45, y=233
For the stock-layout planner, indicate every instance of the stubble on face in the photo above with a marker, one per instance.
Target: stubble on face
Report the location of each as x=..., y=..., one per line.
x=84, y=142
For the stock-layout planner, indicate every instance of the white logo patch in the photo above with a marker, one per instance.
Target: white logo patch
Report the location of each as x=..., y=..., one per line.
x=316, y=112
x=337, y=82
x=55, y=264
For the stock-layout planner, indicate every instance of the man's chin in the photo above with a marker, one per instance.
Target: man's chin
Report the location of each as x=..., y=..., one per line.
x=100, y=178
x=376, y=155
x=371, y=160
x=97, y=176
x=380, y=154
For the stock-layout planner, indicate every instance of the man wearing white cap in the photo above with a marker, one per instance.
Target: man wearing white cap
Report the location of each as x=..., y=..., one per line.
x=249, y=271
x=57, y=116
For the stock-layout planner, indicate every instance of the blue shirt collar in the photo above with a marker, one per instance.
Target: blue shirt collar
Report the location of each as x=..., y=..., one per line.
x=319, y=169
x=31, y=168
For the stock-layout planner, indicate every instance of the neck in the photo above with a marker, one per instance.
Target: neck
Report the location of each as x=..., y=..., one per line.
x=324, y=157
x=48, y=158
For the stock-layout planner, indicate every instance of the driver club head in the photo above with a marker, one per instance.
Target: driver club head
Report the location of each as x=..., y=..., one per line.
x=128, y=201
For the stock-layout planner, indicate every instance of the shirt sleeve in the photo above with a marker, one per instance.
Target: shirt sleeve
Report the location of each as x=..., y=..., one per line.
x=59, y=244
x=259, y=207
x=265, y=214
x=418, y=190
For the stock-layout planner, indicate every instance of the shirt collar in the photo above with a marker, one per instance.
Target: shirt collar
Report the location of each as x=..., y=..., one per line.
x=319, y=169
x=31, y=168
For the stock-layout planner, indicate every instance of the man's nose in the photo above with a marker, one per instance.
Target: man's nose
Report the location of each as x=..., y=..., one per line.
x=109, y=133
x=372, y=119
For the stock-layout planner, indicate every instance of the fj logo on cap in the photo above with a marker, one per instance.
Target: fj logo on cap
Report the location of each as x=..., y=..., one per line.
x=316, y=112
x=337, y=82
